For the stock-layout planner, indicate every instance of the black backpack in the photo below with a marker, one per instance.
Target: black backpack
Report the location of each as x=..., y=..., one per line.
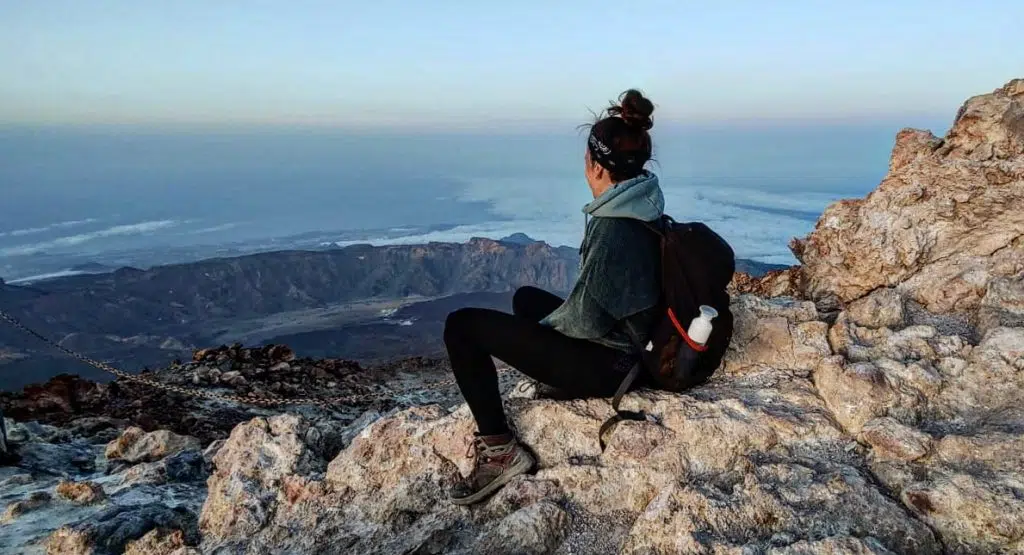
x=696, y=268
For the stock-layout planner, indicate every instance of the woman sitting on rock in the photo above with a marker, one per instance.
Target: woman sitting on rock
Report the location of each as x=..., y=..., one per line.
x=580, y=345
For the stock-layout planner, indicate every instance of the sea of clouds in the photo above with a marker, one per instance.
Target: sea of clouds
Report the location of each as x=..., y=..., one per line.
x=757, y=223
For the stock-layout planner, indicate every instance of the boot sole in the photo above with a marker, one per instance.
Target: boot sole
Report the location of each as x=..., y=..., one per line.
x=524, y=466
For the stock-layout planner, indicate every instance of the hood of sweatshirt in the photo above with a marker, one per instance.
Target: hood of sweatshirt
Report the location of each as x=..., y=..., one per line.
x=639, y=198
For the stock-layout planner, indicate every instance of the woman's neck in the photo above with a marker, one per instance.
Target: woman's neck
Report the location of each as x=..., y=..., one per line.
x=599, y=188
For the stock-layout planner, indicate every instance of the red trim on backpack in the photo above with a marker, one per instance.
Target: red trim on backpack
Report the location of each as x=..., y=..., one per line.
x=679, y=328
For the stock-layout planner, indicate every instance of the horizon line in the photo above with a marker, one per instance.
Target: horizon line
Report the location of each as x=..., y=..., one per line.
x=908, y=119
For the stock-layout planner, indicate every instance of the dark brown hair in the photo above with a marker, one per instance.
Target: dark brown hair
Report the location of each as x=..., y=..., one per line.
x=623, y=144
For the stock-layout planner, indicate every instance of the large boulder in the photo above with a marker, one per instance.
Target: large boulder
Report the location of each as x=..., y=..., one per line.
x=946, y=225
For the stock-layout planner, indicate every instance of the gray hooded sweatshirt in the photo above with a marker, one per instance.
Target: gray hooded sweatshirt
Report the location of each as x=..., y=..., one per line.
x=618, y=288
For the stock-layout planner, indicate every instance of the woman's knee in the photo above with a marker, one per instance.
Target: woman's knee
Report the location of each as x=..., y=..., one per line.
x=523, y=299
x=457, y=323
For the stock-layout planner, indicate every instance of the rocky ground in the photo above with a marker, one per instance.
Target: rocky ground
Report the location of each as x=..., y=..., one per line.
x=872, y=401
x=271, y=371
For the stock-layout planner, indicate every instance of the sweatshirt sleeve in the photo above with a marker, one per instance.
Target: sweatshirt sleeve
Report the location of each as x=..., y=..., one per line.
x=582, y=315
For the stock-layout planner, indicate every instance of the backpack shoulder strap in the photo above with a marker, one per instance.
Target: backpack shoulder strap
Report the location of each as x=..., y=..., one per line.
x=621, y=415
x=659, y=227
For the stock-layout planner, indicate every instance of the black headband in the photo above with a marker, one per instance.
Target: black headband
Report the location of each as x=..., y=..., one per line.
x=610, y=160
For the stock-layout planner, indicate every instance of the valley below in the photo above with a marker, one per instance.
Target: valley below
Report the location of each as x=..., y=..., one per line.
x=364, y=303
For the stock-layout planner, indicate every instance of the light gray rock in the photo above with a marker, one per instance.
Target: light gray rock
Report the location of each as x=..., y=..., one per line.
x=136, y=445
x=884, y=308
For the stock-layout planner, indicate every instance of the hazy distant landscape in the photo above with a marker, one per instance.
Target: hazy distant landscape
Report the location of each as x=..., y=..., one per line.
x=94, y=199
x=124, y=243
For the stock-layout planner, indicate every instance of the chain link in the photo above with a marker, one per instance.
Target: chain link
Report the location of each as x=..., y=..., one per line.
x=250, y=399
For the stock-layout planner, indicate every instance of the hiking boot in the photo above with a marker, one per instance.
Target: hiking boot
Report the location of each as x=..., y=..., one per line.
x=498, y=459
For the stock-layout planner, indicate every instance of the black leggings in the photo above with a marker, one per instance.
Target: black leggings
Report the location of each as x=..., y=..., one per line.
x=473, y=335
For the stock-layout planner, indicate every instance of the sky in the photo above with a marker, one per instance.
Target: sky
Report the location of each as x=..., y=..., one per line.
x=471, y=63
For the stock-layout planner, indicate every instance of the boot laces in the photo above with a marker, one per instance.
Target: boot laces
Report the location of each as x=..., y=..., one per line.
x=479, y=450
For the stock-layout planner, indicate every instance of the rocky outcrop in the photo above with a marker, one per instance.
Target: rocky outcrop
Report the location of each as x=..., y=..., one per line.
x=160, y=541
x=946, y=226
x=110, y=531
x=96, y=484
x=946, y=429
x=754, y=460
x=268, y=371
x=65, y=496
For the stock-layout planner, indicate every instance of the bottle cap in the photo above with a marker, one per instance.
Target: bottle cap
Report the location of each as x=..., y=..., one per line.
x=708, y=312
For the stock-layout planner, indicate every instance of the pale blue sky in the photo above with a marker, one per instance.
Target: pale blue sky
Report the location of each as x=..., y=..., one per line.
x=480, y=63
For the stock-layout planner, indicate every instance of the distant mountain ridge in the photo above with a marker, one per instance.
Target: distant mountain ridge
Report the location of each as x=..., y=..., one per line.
x=147, y=317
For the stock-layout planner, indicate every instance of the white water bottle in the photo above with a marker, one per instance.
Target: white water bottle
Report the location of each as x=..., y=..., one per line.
x=700, y=327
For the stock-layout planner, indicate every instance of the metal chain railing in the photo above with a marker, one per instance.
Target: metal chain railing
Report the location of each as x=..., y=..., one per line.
x=248, y=399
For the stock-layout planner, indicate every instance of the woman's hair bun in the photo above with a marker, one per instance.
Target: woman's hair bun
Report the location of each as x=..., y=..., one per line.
x=634, y=108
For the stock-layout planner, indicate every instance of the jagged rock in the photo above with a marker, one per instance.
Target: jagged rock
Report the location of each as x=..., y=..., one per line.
x=395, y=473
x=1003, y=303
x=61, y=394
x=910, y=344
x=536, y=529
x=975, y=515
x=185, y=466
x=776, y=283
x=81, y=493
x=791, y=499
x=280, y=367
x=854, y=393
x=233, y=378
x=160, y=542
x=883, y=308
x=136, y=445
x=965, y=485
x=945, y=223
x=18, y=508
x=111, y=530
x=837, y=545
x=893, y=440
x=211, y=451
x=357, y=426
x=69, y=458
x=782, y=334
x=104, y=410
x=259, y=459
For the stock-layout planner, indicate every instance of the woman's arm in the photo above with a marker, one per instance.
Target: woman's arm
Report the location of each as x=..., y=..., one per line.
x=584, y=314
